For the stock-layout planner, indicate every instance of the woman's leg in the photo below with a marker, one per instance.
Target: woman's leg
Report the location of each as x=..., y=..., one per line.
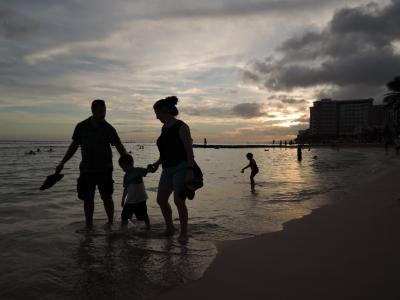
x=180, y=203
x=164, y=191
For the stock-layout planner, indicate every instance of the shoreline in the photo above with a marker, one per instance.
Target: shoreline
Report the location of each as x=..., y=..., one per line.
x=346, y=250
x=304, y=146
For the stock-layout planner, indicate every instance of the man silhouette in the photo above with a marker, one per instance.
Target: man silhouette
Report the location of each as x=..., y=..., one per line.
x=95, y=135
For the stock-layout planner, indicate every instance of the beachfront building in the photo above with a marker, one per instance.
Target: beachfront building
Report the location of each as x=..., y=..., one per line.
x=346, y=119
x=354, y=116
x=324, y=118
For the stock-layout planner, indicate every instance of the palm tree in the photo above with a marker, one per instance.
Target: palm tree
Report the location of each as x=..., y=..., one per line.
x=392, y=98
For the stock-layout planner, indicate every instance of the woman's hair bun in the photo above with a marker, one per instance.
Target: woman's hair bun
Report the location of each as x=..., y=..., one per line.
x=171, y=100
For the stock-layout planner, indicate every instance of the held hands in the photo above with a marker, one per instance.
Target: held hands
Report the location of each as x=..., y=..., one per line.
x=59, y=168
x=152, y=167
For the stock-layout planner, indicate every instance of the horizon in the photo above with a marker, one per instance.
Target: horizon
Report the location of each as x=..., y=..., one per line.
x=244, y=72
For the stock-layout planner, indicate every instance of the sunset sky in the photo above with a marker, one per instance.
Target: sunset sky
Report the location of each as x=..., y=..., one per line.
x=243, y=70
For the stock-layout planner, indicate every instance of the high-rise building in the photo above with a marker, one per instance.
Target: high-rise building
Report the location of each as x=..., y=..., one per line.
x=324, y=118
x=334, y=118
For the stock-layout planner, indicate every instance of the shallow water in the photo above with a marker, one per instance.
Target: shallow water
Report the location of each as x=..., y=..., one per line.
x=45, y=253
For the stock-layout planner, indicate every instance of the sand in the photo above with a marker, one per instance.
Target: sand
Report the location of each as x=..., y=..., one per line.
x=347, y=250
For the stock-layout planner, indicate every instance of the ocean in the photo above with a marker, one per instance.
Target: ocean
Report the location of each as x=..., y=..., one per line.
x=46, y=253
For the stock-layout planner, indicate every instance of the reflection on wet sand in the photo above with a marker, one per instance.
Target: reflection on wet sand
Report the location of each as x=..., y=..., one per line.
x=121, y=264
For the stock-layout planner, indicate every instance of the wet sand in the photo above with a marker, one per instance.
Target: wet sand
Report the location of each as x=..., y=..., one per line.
x=347, y=250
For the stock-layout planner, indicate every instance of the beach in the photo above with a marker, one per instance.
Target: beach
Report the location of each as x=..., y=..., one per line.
x=347, y=250
x=46, y=253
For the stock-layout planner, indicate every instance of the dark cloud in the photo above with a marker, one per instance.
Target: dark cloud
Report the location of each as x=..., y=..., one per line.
x=353, y=92
x=353, y=53
x=207, y=111
x=242, y=110
x=13, y=25
x=248, y=110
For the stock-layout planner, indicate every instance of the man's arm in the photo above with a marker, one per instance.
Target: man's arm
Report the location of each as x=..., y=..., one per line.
x=70, y=152
x=123, y=197
x=121, y=149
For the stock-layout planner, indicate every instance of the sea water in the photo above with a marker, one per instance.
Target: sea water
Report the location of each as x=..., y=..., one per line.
x=46, y=253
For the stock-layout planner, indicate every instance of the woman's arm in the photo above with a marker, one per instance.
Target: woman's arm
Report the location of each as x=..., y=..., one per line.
x=154, y=166
x=184, y=133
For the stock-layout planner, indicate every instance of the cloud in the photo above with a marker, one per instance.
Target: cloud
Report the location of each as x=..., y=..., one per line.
x=286, y=99
x=68, y=51
x=249, y=110
x=270, y=131
x=14, y=25
x=354, y=54
x=223, y=111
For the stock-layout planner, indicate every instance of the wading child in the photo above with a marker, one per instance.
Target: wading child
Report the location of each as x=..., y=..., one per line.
x=254, y=169
x=134, y=196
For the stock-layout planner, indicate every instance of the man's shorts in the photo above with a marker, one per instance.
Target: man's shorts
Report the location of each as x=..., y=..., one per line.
x=139, y=209
x=87, y=183
x=174, y=176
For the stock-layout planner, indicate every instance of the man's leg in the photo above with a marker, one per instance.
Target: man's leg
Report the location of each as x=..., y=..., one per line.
x=109, y=208
x=86, y=188
x=105, y=183
x=89, y=209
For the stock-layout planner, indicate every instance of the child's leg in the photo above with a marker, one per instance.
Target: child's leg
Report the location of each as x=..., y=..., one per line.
x=124, y=223
x=147, y=222
x=252, y=175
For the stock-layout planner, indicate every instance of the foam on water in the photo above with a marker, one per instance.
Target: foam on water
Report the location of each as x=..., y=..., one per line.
x=46, y=253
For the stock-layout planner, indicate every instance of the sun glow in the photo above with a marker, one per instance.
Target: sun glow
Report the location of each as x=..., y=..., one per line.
x=287, y=124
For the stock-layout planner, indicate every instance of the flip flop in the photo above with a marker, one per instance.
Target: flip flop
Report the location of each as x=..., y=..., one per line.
x=51, y=180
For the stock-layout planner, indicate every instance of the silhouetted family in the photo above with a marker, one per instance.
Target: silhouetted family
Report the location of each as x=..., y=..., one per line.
x=180, y=175
x=95, y=136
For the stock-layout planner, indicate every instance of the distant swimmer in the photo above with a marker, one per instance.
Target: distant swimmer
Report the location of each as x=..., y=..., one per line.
x=299, y=152
x=254, y=169
x=315, y=157
x=31, y=152
x=50, y=150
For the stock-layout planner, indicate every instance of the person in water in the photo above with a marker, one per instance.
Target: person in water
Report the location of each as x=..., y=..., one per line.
x=177, y=160
x=95, y=135
x=134, y=195
x=254, y=169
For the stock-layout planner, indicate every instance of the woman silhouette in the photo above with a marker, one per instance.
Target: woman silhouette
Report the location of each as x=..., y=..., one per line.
x=177, y=160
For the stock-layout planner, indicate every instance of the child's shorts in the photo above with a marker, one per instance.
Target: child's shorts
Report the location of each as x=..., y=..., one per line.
x=139, y=209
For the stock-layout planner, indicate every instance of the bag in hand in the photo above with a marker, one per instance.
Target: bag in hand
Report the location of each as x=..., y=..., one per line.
x=196, y=183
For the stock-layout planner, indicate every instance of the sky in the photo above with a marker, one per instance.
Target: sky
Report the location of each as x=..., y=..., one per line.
x=245, y=71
